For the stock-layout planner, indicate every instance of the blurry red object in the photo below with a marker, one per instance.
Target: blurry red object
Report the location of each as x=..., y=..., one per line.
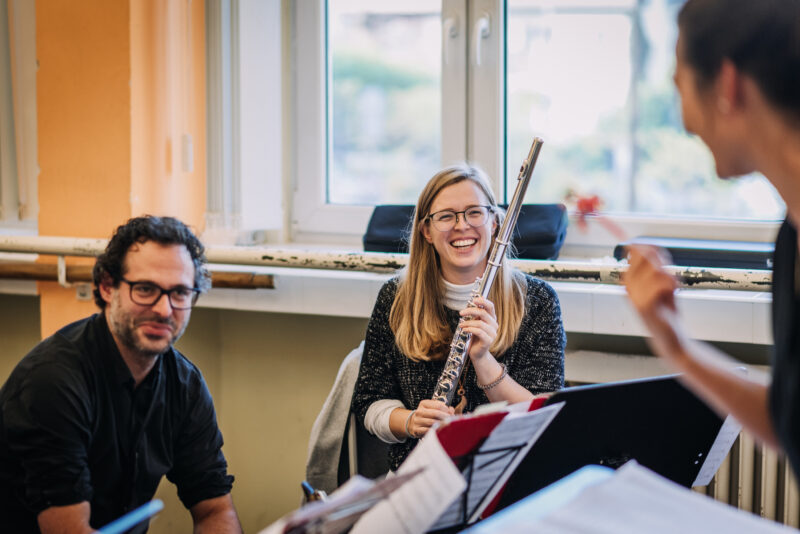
x=590, y=206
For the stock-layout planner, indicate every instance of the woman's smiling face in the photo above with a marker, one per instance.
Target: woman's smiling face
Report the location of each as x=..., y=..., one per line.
x=462, y=250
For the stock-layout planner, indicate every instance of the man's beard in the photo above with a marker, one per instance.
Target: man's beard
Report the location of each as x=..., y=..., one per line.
x=124, y=326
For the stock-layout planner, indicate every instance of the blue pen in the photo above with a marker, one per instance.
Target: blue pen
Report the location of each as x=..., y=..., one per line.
x=133, y=518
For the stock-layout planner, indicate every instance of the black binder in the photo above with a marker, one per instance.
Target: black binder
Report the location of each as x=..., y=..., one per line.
x=655, y=421
x=707, y=253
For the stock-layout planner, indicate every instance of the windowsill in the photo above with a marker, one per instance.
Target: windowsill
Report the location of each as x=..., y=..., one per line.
x=588, y=366
x=590, y=308
x=710, y=314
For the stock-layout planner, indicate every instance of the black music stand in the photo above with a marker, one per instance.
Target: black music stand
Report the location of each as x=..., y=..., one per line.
x=488, y=462
x=457, y=517
x=656, y=421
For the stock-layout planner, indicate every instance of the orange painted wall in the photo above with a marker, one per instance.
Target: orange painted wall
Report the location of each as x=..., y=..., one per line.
x=118, y=84
x=84, y=130
x=84, y=120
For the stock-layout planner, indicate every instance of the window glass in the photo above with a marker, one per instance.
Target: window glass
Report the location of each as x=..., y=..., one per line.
x=593, y=78
x=385, y=99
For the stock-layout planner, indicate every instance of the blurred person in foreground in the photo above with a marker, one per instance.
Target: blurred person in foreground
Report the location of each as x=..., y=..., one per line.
x=738, y=75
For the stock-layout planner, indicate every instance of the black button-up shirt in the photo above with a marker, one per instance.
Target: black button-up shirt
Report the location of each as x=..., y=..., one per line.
x=73, y=428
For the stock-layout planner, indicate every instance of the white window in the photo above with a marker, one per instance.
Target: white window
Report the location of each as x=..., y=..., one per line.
x=18, y=163
x=384, y=98
x=388, y=92
x=594, y=78
x=385, y=114
x=244, y=114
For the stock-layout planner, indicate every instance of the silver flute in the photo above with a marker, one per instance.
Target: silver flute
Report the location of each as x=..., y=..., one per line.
x=459, y=347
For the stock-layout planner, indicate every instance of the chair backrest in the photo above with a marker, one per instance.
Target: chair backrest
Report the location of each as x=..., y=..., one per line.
x=362, y=453
x=330, y=426
x=340, y=446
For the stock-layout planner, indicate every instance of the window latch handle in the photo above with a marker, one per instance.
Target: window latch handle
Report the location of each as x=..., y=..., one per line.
x=482, y=31
x=449, y=33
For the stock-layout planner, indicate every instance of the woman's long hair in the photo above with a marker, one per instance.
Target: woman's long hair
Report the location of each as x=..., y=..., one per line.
x=418, y=318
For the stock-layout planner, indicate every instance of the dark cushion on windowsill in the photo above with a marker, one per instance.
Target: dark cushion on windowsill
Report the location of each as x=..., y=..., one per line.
x=538, y=235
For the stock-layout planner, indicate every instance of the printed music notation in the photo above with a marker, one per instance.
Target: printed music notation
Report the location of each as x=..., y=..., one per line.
x=415, y=507
x=467, y=461
x=494, y=462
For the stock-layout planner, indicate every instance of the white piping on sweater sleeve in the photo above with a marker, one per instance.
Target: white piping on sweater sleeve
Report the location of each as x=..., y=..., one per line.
x=376, y=419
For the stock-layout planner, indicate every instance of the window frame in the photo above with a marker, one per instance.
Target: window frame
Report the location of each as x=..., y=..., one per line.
x=18, y=129
x=245, y=116
x=469, y=87
x=312, y=217
x=464, y=110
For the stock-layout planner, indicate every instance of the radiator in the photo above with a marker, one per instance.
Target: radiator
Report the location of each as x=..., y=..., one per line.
x=751, y=478
x=758, y=480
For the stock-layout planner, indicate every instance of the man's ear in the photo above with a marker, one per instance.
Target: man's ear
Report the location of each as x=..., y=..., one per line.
x=106, y=288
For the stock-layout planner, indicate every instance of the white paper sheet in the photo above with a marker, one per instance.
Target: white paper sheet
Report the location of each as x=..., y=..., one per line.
x=631, y=501
x=342, y=507
x=414, y=507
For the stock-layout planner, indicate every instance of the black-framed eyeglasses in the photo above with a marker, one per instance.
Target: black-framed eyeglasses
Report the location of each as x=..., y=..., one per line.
x=148, y=293
x=446, y=220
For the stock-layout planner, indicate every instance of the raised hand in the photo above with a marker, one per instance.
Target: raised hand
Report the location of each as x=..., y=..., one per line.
x=652, y=292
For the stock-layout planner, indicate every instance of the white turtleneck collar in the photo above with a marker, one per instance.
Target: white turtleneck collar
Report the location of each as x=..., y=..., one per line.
x=456, y=296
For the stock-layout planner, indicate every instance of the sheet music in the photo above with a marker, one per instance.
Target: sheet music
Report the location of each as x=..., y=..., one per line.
x=491, y=407
x=527, y=433
x=630, y=501
x=342, y=507
x=719, y=450
x=519, y=407
x=413, y=508
x=510, y=440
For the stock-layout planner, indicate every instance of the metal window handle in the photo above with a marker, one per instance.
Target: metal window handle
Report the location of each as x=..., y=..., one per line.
x=449, y=32
x=481, y=32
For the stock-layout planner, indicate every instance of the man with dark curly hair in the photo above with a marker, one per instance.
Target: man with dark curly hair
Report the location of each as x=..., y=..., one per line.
x=95, y=415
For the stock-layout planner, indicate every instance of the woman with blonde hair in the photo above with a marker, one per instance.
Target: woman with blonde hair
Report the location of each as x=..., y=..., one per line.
x=518, y=338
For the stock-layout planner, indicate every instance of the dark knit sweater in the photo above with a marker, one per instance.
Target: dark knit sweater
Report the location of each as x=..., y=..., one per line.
x=535, y=360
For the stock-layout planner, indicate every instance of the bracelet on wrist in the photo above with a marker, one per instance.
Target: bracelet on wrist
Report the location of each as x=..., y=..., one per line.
x=408, y=420
x=490, y=385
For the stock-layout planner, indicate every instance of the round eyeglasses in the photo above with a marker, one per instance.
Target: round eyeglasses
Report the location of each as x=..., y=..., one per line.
x=148, y=293
x=446, y=220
